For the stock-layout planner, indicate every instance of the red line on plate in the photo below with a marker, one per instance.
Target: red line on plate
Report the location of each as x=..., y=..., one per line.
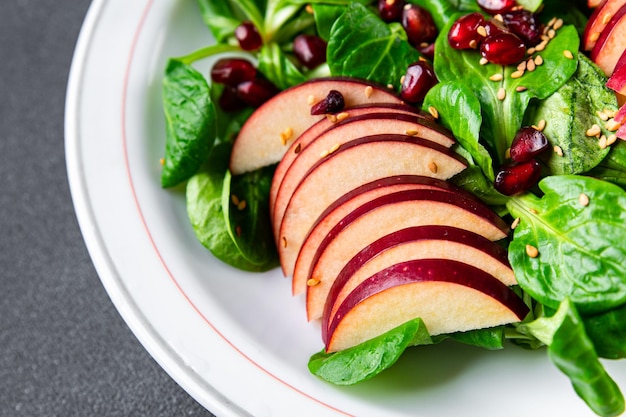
x=147, y=229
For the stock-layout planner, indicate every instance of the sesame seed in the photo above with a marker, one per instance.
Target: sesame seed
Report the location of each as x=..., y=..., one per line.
x=541, y=125
x=551, y=33
x=324, y=154
x=602, y=142
x=312, y=282
x=432, y=167
x=309, y=9
x=602, y=115
x=530, y=66
x=310, y=100
x=515, y=223
x=593, y=131
x=611, y=139
x=558, y=150
x=483, y=61
x=501, y=94
x=234, y=199
x=473, y=44
x=594, y=36
x=369, y=91
x=541, y=45
x=331, y=118
x=411, y=132
x=242, y=205
x=521, y=66
x=583, y=199
x=531, y=50
x=517, y=74
x=551, y=21
x=532, y=251
x=606, y=18
x=482, y=31
x=402, y=79
x=285, y=135
x=390, y=86
x=162, y=161
x=558, y=24
x=610, y=113
x=568, y=54
x=507, y=153
x=496, y=77
x=342, y=116
x=334, y=148
x=433, y=112
x=538, y=60
x=520, y=88
x=533, y=211
x=499, y=17
x=612, y=125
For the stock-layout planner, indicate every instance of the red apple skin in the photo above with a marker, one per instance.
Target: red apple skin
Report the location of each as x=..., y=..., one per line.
x=302, y=141
x=611, y=44
x=386, y=155
x=259, y=143
x=449, y=296
x=598, y=21
x=617, y=81
x=382, y=216
x=340, y=208
x=345, y=131
x=420, y=242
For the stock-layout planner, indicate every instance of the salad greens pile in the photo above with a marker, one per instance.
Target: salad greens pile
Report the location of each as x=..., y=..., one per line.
x=574, y=220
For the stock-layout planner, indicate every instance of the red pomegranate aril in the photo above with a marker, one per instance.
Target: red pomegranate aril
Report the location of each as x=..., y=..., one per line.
x=232, y=71
x=524, y=24
x=256, y=92
x=464, y=34
x=494, y=7
x=418, y=24
x=248, y=36
x=527, y=144
x=310, y=50
x=391, y=10
x=494, y=26
x=503, y=49
x=229, y=100
x=516, y=178
x=332, y=103
x=418, y=80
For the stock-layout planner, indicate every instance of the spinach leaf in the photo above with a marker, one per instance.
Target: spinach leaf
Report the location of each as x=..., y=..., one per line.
x=325, y=16
x=206, y=213
x=459, y=111
x=491, y=338
x=569, y=114
x=608, y=332
x=443, y=11
x=190, y=122
x=277, y=68
x=573, y=353
x=219, y=18
x=581, y=246
x=245, y=204
x=503, y=118
x=613, y=167
x=369, y=358
x=361, y=45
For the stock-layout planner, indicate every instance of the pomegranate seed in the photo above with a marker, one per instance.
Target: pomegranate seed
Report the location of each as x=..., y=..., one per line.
x=494, y=26
x=229, y=101
x=391, y=10
x=463, y=33
x=256, y=92
x=248, y=36
x=332, y=103
x=418, y=24
x=525, y=25
x=494, y=7
x=232, y=71
x=503, y=49
x=515, y=178
x=527, y=144
x=310, y=50
x=419, y=79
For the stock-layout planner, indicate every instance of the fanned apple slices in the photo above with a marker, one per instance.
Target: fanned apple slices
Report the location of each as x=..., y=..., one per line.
x=366, y=221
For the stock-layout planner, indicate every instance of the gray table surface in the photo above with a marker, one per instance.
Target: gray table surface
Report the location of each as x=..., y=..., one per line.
x=64, y=350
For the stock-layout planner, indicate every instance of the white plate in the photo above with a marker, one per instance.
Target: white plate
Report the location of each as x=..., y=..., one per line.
x=238, y=343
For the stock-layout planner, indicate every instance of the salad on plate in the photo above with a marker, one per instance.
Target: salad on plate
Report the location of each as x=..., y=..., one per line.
x=422, y=170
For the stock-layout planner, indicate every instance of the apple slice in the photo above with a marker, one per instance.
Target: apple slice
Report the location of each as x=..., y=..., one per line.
x=617, y=81
x=598, y=21
x=346, y=131
x=354, y=164
x=382, y=216
x=302, y=141
x=265, y=136
x=611, y=43
x=420, y=242
x=450, y=296
x=299, y=258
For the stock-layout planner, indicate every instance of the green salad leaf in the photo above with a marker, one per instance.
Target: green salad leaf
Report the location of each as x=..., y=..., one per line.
x=190, y=122
x=608, y=332
x=613, y=167
x=581, y=243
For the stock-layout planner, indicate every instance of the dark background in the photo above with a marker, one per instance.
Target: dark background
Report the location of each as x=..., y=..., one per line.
x=64, y=350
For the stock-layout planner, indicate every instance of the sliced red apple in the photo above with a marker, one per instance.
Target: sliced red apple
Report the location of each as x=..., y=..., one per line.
x=346, y=131
x=354, y=164
x=265, y=136
x=383, y=216
x=611, y=43
x=617, y=81
x=299, y=258
x=598, y=20
x=449, y=296
x=421, y=242
x=302, y=141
